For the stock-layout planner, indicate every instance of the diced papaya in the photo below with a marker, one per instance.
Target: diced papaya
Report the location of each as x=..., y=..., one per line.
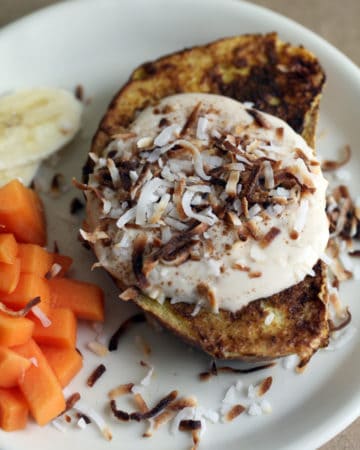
x=15, y=330
x=8, y=248
x=12, y=367
x=21, y=213
x=65, y=362
x=64, y=261
x=13, y=409
x=61, y=332
x=34, y=259
x=40, y=386
x=85, y=299
x=9, y=276
x=29, y=287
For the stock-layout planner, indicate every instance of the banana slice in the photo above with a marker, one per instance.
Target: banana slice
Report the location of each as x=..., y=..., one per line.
x=25, y=172
x=35, y=123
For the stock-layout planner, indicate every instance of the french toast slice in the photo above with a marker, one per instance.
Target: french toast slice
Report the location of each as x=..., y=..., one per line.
x=279, y=79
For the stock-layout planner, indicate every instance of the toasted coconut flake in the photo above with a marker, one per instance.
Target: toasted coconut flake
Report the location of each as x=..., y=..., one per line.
x=55, y=269
x=114, y=340
x=254, y=210
x=256, y=274
x=166, y=135
x=130, y=293
x=269, y=237
x=144, y=142
x=83, y=408
x=133, y=175
x=39, y=313
x=114, y=173
x=233, y=219
x=201, y=128
x=120, y=390
x=165, y=234
x=125, y=241
x=343, y=324
x=184, y=414
x=302, y=155
x=169, y=412
x=138, y=416
x=241, y=267
x=81, y=423
x=301, y=174
x=179, y=190
x=235, y=166
x=71, y=401
x=254, y=409
x=231, y=185
x=159, y=209
x=245, y=206
x=177, y=224
x=190, y=122
x=137, y=388
x=269, y=318
x=328, y=165
x=264, y=386
x=93, y=237
x=252, y=227
x=291, y=362
x=204, y=376
x=208, y=218
x=58, y=424
x=203, y=188
x=34, y=361
x=279, y=133
x=140, y=403
x=144, y=176
x=95, y=375
x=197, y=158
x=21, y=312
x=189, y=425
x=97, y=348
x=147, y=198
x=127, y=217
x=208, y=292
x=197, y=308
x=178, y=247
x=259, y=118
x=301, y=217
x=266, y=406
x=137, y=259
x=268, y=175
x=234, y=412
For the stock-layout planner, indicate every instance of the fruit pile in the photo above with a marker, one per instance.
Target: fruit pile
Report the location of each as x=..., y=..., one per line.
x=39, y=308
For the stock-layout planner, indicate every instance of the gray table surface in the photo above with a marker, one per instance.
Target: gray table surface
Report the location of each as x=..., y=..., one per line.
x=336, y=21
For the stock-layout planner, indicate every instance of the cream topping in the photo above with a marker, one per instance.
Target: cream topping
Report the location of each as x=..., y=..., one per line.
x=208, y=202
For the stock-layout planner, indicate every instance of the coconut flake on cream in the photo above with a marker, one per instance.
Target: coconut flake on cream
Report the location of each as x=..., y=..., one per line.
x=223, y=184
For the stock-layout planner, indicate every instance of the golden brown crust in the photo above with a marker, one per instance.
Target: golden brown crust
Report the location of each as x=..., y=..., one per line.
x=279, y=79
x=299, y=324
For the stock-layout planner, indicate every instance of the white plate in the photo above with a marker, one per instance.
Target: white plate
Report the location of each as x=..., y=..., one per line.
x=98, y=44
